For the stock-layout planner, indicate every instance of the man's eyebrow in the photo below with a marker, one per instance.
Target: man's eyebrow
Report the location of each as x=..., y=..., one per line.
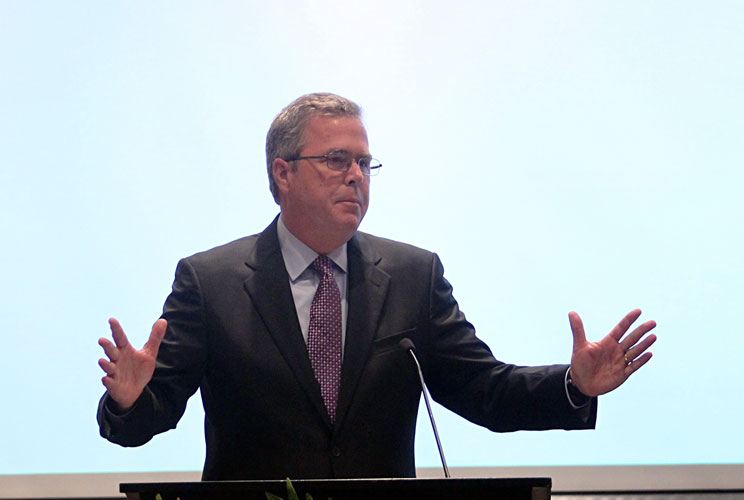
x=347, y=152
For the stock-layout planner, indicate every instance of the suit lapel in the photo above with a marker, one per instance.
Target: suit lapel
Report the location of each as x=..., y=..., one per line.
x=367, y=288
x=268, y=287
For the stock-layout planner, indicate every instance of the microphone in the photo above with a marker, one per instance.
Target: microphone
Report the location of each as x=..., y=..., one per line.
x=407, y=345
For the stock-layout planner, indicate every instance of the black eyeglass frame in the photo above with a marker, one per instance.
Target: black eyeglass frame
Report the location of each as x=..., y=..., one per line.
x=371, y=170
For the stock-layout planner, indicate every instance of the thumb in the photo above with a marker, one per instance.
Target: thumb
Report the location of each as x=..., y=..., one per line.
x=156, y=337
x=577, y=328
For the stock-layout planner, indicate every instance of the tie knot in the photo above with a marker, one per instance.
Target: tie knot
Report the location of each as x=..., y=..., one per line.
x=323, y=266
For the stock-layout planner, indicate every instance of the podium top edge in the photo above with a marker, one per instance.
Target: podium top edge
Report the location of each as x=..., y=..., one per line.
x=239, y=484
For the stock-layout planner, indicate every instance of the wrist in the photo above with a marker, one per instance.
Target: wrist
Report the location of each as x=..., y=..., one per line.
x=574, y=394
x=117, y=408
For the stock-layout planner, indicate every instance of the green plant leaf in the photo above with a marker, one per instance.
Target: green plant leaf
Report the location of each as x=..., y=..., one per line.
x=271, y=496
x=291, y=493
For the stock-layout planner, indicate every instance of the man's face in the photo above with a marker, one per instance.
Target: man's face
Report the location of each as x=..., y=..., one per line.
x=320, y=204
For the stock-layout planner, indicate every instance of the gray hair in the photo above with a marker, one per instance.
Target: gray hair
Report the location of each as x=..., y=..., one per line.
x=287, y=132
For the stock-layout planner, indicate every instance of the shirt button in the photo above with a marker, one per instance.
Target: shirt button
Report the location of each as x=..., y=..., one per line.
x=336, y=451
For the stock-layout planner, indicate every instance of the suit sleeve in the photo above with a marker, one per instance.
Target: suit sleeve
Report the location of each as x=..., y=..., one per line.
x=178, y=372
x=465, y=377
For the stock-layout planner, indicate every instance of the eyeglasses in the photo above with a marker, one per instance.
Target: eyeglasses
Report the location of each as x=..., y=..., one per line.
x=342, y=160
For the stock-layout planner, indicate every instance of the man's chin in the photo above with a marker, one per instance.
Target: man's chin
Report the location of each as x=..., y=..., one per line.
x=349, y=211
x=350, y=221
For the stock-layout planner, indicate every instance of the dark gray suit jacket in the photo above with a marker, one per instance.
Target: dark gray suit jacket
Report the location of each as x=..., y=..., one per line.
x=233, y=332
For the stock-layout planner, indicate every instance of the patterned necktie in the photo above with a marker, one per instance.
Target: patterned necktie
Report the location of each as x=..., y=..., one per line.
x=324, y=334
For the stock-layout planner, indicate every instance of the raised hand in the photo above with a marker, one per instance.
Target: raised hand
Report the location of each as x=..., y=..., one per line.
x=600, y=367
x=128, y=370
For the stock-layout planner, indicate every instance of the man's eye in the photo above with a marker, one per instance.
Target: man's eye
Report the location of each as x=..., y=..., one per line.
x=337, y=161
x=363, y=162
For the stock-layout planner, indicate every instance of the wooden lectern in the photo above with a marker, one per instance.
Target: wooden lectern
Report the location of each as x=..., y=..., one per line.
x=349, y=489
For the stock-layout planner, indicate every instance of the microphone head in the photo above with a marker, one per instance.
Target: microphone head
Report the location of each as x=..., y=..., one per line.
x=406, y=344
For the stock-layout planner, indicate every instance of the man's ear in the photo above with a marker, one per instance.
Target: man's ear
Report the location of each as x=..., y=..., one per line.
x=280, y=169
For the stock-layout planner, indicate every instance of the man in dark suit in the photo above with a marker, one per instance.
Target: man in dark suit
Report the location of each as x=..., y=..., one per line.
x=292, y=335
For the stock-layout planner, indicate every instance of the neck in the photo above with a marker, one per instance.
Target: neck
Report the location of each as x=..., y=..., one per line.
x=321, y=242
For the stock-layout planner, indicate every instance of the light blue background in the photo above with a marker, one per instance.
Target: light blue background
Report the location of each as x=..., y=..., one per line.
x=574, y=155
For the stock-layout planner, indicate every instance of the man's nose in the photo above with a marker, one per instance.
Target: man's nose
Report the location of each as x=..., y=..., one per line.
x=354, y=175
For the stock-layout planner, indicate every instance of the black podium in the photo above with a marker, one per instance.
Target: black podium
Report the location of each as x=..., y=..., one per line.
x=348, y=489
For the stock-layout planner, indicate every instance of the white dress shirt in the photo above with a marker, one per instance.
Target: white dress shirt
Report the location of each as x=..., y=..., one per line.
x=304, y=281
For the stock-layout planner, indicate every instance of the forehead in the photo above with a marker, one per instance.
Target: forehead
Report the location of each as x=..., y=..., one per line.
x=335, y=132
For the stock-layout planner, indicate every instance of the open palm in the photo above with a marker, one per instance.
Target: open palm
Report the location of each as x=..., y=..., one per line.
x=128, y=370
x=600, y=367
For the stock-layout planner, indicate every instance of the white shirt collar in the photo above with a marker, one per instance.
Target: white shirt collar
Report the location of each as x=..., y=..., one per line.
x=298, y=256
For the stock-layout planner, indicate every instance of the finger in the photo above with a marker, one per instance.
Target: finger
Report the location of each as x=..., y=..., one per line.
x=118, y=333
x=577, y=328
x=639, y=349
x=156, y=337
x=637, y=364
x=624, y=324
x=107, y=366
x=636, y=335
x=109, y=348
